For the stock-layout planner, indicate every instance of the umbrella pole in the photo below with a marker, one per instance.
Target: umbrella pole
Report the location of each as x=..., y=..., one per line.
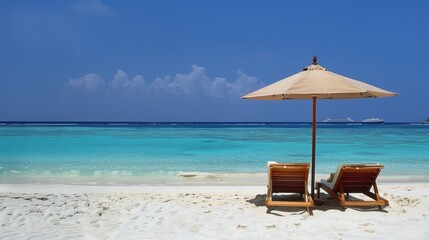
x=313, y=149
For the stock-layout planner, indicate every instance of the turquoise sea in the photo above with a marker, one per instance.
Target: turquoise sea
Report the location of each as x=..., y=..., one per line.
x=116, y=152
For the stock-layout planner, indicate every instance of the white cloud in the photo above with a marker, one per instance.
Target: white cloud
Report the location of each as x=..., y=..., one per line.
x=121, y=81
x=197, y=82
x=93, y=7
x=90, y=82
x=218, y=87
x=244, y=84
x=194, y=83
x=191, y=83
x=160, y=85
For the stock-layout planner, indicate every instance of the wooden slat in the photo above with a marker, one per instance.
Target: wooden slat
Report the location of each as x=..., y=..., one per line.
x=288, y=185
x=288, y=190
x=275, y=173
x=287, y=178
x=364, y=203
x=288, y=204
x=361, y=177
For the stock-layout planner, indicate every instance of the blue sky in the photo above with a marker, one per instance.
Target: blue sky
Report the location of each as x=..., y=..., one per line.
x=96, y=60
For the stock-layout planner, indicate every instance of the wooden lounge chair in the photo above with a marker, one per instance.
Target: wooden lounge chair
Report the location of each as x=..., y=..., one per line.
x=354, y=178
x=288, y=178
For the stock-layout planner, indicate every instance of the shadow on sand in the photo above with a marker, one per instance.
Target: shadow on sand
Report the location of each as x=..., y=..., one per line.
x=327, y=204
x=259, y=201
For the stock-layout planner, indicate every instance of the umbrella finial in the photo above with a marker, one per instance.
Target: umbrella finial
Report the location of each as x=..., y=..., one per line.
x=314, y=60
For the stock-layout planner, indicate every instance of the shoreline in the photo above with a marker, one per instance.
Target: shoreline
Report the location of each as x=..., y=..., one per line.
x=184, y=179
x=195, y=212
x=79, y=188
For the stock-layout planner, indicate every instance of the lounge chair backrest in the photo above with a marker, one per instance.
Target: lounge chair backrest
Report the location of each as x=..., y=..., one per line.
x=356, y=177
x=288, y=177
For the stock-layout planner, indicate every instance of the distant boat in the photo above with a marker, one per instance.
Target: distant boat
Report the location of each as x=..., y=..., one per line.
x=373, y=120
x=332, y=120
x=426, y=121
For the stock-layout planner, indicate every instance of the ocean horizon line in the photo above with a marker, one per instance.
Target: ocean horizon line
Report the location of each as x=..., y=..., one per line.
x=191, y=122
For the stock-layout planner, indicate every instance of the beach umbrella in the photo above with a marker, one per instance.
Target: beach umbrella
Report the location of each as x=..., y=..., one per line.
x=316, y=82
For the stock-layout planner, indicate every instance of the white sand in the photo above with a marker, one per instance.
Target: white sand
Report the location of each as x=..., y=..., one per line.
x=200, y=212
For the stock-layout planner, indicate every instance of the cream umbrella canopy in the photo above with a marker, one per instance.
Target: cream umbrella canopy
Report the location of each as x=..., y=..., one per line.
x=315, y=82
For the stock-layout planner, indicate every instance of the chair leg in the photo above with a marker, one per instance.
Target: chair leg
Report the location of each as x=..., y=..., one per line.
x=269, y=209
x=342, y=199
x=309, y=211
